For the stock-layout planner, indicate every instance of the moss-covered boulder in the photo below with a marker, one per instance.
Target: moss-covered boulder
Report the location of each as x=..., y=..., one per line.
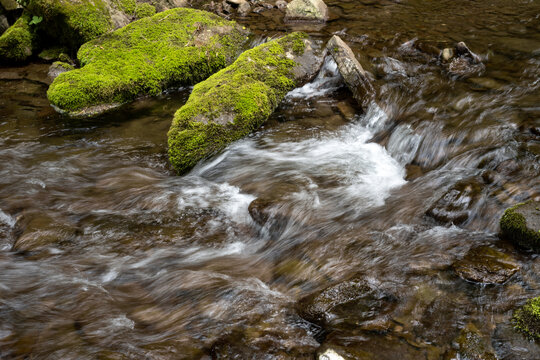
x=17, y=43
x=521, y=224
x=527, y=319
x=173, y=48
x=238, y=99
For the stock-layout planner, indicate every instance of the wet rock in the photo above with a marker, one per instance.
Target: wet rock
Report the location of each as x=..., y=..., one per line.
x=527, y=319
x=347, y=303
x=39, y=231
x=307, y=10
x=346, y=110
x=263, y=210
x=471, y=345
x=238, y=100
x=55, y=53
x=17, y=43
x=485, y=83
x=113, y=73
x=281, y=4
x=244, y=8
x=484, y=264
x=352, y=72
x=57, y=68
x=521, y=224
x=461, y=62
x=455, y=206
x=4, y=24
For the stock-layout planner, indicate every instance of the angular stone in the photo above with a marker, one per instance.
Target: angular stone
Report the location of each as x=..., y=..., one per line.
x=521, y=224
x=471, y=345
x=352, y=72
x=486, y=265
x=310, y=10
x=239, y=99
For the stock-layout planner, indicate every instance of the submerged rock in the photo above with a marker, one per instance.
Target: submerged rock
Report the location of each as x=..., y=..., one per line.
x=173, y=48
x=454, y=207
x=527, y=319
x=347, y=303
x=461, y=62
x=521, y=224
x=471, y=345
x=17, y=43
x=352, y=72
x=238, y=99
x=310, y=10
x=486, y=265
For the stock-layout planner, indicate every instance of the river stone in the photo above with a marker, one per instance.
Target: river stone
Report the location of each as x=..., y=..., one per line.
x=347, y=303
x=471, y=345
x=57, y=68
x=9, y=5
x=484, y=264
x=310, y=10
x=4, y=24
x=461, y=62
x=173, y=48
x=521, y=224
x=238, y=99
x=38, y=231
x=526, y=319
x=352, y=72
x=454, y=207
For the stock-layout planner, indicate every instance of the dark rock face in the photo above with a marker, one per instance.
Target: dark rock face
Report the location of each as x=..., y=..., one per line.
x=347, y=303
x=471, y=345
x=352, y=72
x=454, y=206
x=486, y=265
x=521, y=224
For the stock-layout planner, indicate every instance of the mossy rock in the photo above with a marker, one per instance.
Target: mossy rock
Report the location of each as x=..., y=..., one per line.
x=54, y=53
x=238, y=99
x=72, y=23
x=173, y=48
x=521, y=224
x=527, y=319
x=471, y=345
x=144, y=10
x=17, y=43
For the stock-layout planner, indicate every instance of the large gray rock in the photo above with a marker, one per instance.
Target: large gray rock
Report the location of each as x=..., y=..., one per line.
x=352, y=72
x=307, y=10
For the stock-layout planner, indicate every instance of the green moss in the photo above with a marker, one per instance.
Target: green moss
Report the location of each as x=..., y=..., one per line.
x=54, y=53
x=16, y=44
x=72, y=23
x=514, y=227
x=127, y=6
x=240, y=97
x=527, y=319
x=176, y=47
x=144, y=10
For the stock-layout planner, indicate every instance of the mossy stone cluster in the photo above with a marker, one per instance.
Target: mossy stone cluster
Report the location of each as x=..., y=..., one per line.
x=17, y=43
x=527, y=319
x=235, y=101
x=173, y=48
x=521, y=224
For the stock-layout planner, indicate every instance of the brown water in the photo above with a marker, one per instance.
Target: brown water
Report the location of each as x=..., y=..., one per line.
x=106, y=254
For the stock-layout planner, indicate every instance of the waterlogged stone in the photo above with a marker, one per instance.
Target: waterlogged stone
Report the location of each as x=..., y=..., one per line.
x=471, y=345
x=173, y=48
x=521, y=224
x=238, y=99
x=57, y=68
x=461, y=62
x=40, y=231
x=310, y=10
x=526, y=319
x=347, y=303
x=484, y=264
x=455, y=206
x=352, y=72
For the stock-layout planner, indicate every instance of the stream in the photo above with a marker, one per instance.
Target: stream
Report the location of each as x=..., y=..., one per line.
x=106, y=254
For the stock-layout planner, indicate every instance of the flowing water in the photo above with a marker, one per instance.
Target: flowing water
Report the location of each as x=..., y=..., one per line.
x=106, y=254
